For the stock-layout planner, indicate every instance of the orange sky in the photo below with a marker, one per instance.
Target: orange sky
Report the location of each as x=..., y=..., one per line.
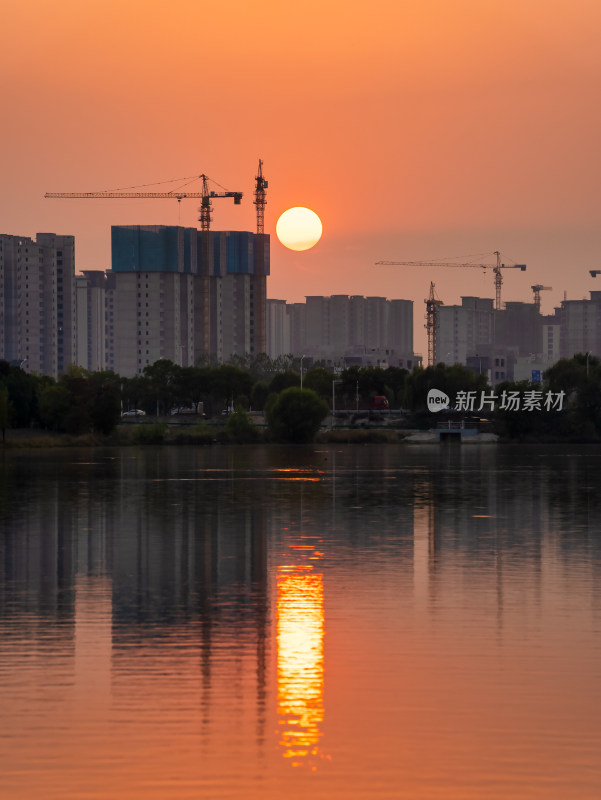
x=415, y=130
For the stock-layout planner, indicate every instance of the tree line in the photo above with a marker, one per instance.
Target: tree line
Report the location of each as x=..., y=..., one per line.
x=80, y=401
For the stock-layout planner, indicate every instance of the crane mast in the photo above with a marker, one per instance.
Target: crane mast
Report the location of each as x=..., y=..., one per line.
x=537, y=289
x=259, y=294
x=260, y=185
x=432, y=303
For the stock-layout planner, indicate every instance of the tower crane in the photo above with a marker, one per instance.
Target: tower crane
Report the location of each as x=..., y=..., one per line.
x=537, y=289
x=432, y=302
x=496, y=268
x=205, y=196
x=260, y=285
x=260, y=185
x=595, y=272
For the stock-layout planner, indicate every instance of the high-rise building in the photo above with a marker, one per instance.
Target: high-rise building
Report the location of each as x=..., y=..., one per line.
x=181, y=294
x=278, y=328
x=399, y=335
x=580, y=322
x=239, y=266
x=150, y=316
x=463, y=330
x=518, y=326
x=342, y=329
x=90, y=296
x=376, y=322
x=37, y=302
x=297, y=320
x=317, y=325
x=551, y=339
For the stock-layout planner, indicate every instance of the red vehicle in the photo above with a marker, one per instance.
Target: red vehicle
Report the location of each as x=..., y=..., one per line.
x=380, y=403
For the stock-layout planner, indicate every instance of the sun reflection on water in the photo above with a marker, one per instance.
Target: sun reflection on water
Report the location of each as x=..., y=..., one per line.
x=300, y=632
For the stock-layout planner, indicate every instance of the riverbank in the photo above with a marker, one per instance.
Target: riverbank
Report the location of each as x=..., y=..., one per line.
x=206, y=434
x=199, y=431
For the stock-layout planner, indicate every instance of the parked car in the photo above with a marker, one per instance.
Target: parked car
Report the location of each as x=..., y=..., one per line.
x=134, y=412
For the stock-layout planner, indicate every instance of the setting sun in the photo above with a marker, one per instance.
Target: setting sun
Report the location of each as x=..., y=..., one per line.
x=299, y=228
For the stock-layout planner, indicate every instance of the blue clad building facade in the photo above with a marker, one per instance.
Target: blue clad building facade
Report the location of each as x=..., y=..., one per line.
x=165, y=248
x=174, y=294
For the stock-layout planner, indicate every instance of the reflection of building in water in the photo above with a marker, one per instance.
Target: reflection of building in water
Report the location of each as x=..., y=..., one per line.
x=300, y=632
x=185, y=563
x=193, y=568
x=93, y=641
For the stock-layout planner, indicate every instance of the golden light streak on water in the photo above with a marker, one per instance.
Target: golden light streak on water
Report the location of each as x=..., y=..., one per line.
x=300, y=634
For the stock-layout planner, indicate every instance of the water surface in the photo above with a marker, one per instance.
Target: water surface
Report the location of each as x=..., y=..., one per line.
x=333, y=622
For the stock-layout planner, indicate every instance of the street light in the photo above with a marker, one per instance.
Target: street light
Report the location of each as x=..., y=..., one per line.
x=301, y=371
x=334, y=399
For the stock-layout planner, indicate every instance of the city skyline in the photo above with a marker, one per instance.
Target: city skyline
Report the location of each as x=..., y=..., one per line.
x=415, y=132
x=181, y=294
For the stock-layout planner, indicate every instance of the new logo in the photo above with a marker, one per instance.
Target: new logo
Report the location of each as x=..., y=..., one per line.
x=437, y=400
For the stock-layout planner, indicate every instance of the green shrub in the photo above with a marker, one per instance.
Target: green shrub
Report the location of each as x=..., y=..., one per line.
x=240, y=428
x=358, y=436
x=149, y=434
x=197, y=434
x=295, y=415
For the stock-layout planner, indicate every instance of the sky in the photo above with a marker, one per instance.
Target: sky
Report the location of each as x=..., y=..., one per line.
x=416, y=130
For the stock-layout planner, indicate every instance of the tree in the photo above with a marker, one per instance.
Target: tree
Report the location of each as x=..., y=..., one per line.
x=295, y=415
x=283, y=380
x=580, y=378
x=4, y=411
x=193, y=385
x=135, y=393
x=395, y=378
x=23, y=390
x=78, y=417
x=447, y=379
x=163, y=376
x=259, y=395
x=518, y=423
x=228, y=383
x=81, y=401
x=105, y=411
x=368, y=382
x=320, y=380
x=261, y=367
x=55, y=402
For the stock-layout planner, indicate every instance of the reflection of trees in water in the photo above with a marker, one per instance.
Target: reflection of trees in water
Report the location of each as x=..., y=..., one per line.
x=54, y=522
x=184, y=529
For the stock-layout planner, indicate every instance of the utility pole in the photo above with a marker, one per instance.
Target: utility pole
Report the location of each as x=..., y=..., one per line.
x=334, y=399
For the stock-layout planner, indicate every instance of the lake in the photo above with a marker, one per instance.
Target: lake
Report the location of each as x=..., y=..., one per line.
x=384, y=621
